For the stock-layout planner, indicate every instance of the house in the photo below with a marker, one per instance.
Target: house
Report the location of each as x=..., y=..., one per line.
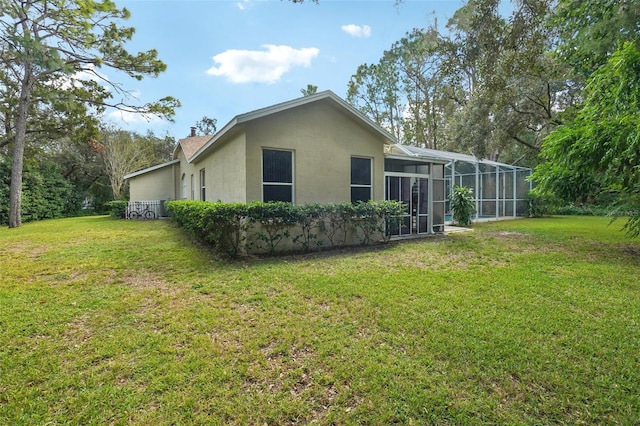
x=315, y=149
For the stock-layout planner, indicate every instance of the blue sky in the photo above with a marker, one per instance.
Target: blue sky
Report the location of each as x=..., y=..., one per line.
x=226, y=58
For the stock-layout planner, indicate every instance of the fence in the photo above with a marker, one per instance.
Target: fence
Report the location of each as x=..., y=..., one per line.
x=145, y=209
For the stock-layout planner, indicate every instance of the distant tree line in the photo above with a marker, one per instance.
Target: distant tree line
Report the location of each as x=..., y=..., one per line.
x=66, y=178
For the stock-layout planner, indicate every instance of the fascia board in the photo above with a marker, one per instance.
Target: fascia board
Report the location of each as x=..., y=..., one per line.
x=273, y=109
x=227, y=128
x=150, y=169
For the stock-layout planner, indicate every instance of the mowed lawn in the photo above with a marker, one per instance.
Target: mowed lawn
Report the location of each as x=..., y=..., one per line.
x=112, y=322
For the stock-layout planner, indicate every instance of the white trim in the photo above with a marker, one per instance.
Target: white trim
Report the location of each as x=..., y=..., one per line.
x=202, y=180
x=183, y=186
x=284, y=106
x=150, y=169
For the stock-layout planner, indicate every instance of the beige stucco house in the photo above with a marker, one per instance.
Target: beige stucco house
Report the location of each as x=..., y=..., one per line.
x=315, y=149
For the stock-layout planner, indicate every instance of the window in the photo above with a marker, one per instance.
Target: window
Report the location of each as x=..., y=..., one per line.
x=360, y=179
x=183, y=184
x=193, y=188
x=277, y=175
x=203, y=192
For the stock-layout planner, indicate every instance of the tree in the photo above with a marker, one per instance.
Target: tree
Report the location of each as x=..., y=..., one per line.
x=47, y=194
x=599, y=151
x=487, y=87
x=206, y=126
x=310, y=90
x=512, y=89
x=419, y=60
x=125, y=152
x=373, y=89
x=587, y=32
x=47, y=48
x=82, y=165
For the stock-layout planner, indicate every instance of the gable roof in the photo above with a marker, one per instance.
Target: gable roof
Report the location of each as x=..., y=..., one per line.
x=326, y=95
x=150, y=169
x=191, y=145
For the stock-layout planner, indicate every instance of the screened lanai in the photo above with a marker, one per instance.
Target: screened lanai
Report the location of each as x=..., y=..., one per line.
x=500, y=190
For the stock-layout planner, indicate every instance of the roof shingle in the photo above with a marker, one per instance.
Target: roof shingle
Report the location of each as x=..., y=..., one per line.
x=192, y=144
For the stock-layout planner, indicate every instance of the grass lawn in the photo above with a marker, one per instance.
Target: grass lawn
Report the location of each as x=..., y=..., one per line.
x=121, y=322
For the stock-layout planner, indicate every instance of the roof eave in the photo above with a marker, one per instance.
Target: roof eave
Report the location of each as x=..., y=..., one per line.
x=226, y=129
x=150, y=169
x=283, y=106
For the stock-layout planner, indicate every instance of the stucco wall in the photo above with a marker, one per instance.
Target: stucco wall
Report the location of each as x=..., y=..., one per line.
x=225, y=171
x=154, y=185
x=323, y=138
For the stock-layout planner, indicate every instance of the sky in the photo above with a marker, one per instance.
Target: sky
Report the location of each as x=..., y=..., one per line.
x=226, y=58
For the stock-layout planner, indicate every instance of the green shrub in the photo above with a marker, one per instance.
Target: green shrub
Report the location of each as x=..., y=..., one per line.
x=220, y=225
x=117, y=208
x=309, y=219
x=374, y=218
x=336, y=223
x=46, y=194
x=276, y=220
x=582, y=210
x=231, y=228
x=462, y=205
x=541, y=204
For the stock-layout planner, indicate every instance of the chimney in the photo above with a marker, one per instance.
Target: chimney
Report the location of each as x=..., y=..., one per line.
x=193, y=131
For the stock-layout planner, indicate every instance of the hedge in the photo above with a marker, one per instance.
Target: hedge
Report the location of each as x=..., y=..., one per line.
x=257, y=227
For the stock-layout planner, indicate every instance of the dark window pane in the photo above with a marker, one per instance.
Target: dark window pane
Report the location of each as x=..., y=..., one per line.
x=406, y=226
x=438, y=190
x=360, y=171
x=277, y=193
x=424, y=196
x=360, y=194
x=405, y=195
x=393, y=188
x=438, y=213
x=422, y=224
x=393, y=228
x=277, y=166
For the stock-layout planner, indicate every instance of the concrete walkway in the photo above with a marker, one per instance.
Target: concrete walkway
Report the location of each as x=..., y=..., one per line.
x=449, y=229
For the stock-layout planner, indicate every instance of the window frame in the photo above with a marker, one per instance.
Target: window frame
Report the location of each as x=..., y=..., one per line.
x=203, y=186
x=193, y=187
x=183, y=186
x=283, y=184
x=353, y=186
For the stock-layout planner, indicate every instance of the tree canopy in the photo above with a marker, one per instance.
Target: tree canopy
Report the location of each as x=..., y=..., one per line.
x=599, y=151
x=486, y=86
x=52, y=53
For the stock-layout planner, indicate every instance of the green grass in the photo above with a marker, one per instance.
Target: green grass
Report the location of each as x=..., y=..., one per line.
x=121, y=322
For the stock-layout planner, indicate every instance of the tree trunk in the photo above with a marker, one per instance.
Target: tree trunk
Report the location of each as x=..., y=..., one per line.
x=15, y=192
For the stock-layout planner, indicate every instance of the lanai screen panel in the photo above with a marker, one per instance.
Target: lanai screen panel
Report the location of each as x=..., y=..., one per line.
x=500, y=190
x=439, y=197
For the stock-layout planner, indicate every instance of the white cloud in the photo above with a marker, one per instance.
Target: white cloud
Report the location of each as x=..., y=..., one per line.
x=268, y=66
x=129, y=117
x=353, y=30
x=67, y=82
x=242, y=5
